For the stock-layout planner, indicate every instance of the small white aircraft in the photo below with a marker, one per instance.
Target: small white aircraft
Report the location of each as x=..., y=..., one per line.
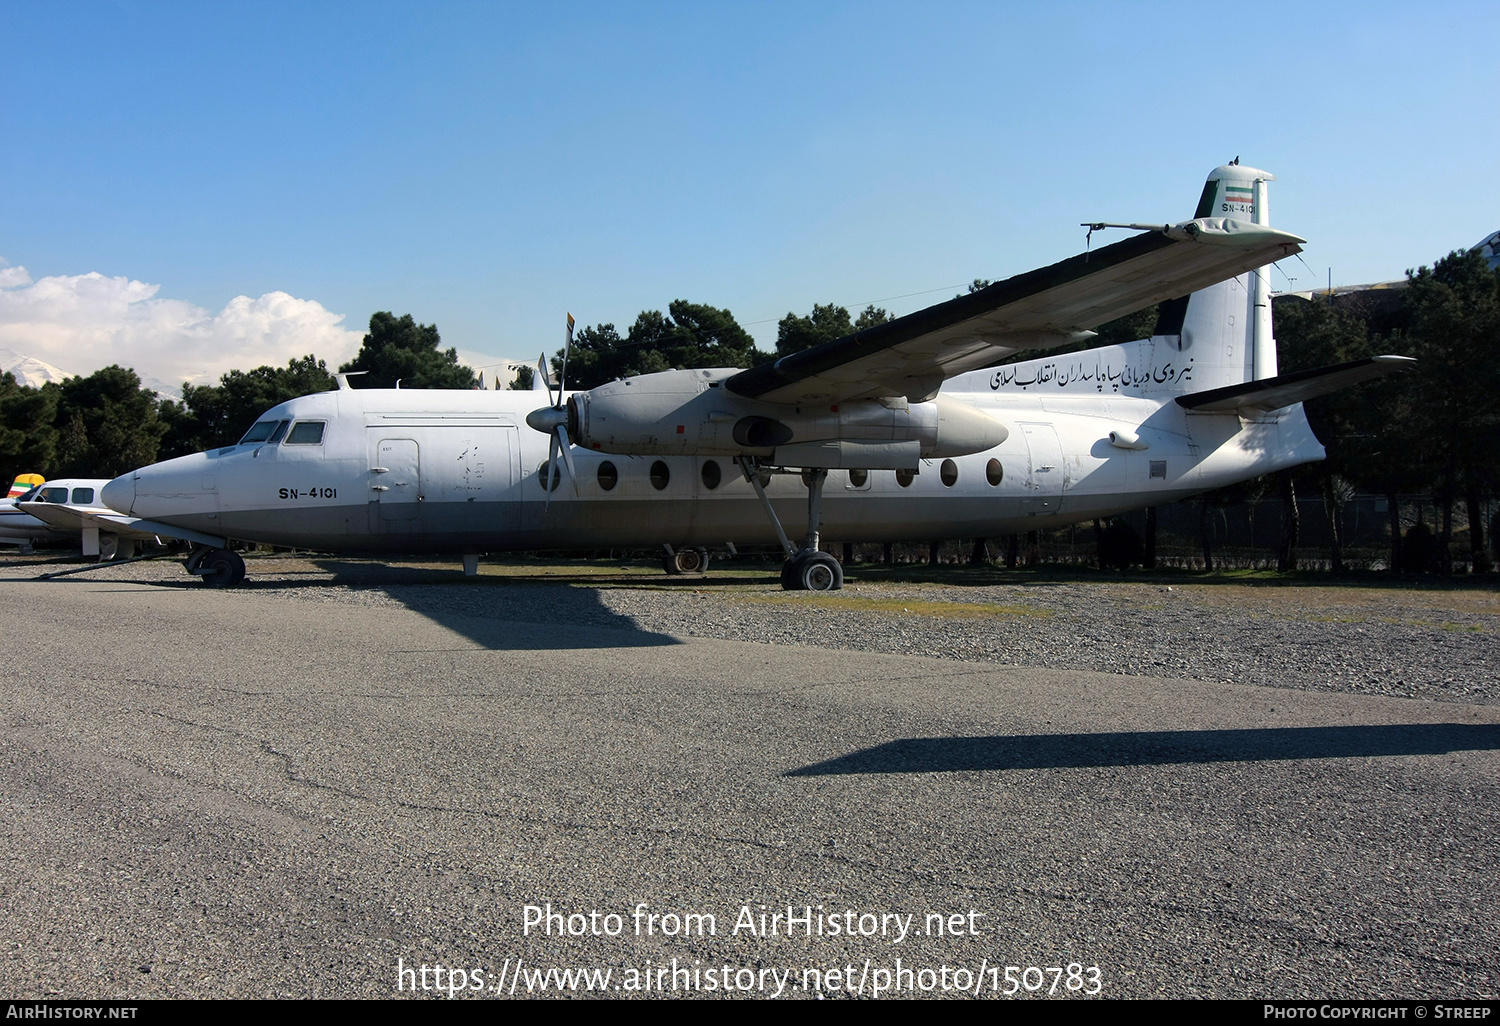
x=56, y=510
x=905, y=431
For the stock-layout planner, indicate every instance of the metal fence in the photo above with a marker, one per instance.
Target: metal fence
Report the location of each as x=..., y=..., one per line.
x=1241, y=535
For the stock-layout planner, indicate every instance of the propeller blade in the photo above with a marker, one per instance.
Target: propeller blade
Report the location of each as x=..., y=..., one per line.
x=567, y=455
x=542, y=379
x=562, y=381
x=551, y=470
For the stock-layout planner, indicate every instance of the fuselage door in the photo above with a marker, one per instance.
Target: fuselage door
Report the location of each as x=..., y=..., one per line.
x=1045, y=472
x=395, y=479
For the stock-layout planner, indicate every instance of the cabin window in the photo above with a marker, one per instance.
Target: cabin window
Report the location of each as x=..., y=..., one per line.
x=904, y=477
x=660, y=475
x=994, y=473
x=712, y=475
x=949, y=473
x=260, y=431
x=857, y=478
x=541, y=475
x=307, y=432
x=608, y=476
x=83, y=496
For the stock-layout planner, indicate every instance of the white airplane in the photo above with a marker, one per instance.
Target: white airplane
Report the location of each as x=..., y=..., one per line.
x=905, y=431
x=53, y=510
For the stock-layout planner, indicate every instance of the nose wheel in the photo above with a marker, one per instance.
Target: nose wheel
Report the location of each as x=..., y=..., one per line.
x=219, y=568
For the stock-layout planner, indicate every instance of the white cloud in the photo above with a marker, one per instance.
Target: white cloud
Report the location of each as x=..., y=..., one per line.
x=87, y=321
x=10, y=277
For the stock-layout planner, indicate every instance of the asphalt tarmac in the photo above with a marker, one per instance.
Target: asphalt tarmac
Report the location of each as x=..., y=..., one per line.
x=233, y=794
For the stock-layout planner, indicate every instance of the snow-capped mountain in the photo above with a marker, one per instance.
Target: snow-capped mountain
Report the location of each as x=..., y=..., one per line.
x=33, y=373
x=28, y=369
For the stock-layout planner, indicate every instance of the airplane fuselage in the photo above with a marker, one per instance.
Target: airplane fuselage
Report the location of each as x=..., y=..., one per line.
x=459, y=471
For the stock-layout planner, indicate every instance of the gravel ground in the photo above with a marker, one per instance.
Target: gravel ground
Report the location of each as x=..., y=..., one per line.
x=1271, y=637
x=1437, y=643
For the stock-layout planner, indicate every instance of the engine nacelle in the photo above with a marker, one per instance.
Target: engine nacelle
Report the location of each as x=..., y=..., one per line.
x=689, y=413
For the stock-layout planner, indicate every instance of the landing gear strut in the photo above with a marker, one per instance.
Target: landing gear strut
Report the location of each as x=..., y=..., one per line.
x=806, y=569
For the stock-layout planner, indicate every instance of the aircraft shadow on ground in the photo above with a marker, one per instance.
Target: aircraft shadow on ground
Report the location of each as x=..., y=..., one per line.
x=1157, y=748
x=543, y=617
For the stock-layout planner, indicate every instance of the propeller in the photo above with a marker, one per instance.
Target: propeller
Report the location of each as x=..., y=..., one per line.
x=553, y=420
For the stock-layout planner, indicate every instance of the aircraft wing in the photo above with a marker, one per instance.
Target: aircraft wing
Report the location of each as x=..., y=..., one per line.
x=1286, y=389
x=71, y=518
x=912, y=355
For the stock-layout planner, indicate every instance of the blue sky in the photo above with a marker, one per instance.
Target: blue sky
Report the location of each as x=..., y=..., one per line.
x=488, y=167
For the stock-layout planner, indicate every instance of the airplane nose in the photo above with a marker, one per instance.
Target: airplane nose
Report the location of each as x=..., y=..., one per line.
x=119, y=494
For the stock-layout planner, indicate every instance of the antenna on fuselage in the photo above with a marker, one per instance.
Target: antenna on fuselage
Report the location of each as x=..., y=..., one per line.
x=342, y=377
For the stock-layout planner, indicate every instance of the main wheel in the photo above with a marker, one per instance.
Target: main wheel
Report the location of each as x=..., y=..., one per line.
x=223, y=568
x=820, y=572
x=812, y=571
x=686, y=561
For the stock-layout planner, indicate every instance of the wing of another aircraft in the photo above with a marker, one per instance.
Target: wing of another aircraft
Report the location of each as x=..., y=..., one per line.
x=911, y=356
x=71, y=518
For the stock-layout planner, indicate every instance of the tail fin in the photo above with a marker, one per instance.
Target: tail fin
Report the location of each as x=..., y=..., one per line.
x=1225, y=329
x=1214, y=338
x=25, y=483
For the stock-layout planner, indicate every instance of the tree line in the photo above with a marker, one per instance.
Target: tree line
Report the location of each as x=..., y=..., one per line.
x=691, y=336
x=106, y=424
x=1434, y=430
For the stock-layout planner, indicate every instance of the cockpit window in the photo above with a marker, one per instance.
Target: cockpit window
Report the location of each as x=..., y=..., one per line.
x=261, y=431
x=83, y=496
x=307, y=432
x=54, y=495
x=276, y=435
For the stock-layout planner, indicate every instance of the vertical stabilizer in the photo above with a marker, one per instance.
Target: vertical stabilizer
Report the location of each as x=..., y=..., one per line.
x=1226, y=328
x=1214, y=338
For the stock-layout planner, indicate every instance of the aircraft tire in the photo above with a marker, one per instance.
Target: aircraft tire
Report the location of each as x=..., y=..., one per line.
x=820, y=572
x=686, y=561
x=224, y=569
x=812, y=571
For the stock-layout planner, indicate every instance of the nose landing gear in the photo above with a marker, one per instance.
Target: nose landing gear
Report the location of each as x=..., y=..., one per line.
x=219, y=568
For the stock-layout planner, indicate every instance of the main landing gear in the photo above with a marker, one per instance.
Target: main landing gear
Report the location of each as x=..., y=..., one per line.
x=807, y=568
x=811, y=571
x=685, y=561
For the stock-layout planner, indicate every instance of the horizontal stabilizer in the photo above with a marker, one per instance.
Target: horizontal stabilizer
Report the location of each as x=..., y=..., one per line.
x=70, y=518
x=1287, y=389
